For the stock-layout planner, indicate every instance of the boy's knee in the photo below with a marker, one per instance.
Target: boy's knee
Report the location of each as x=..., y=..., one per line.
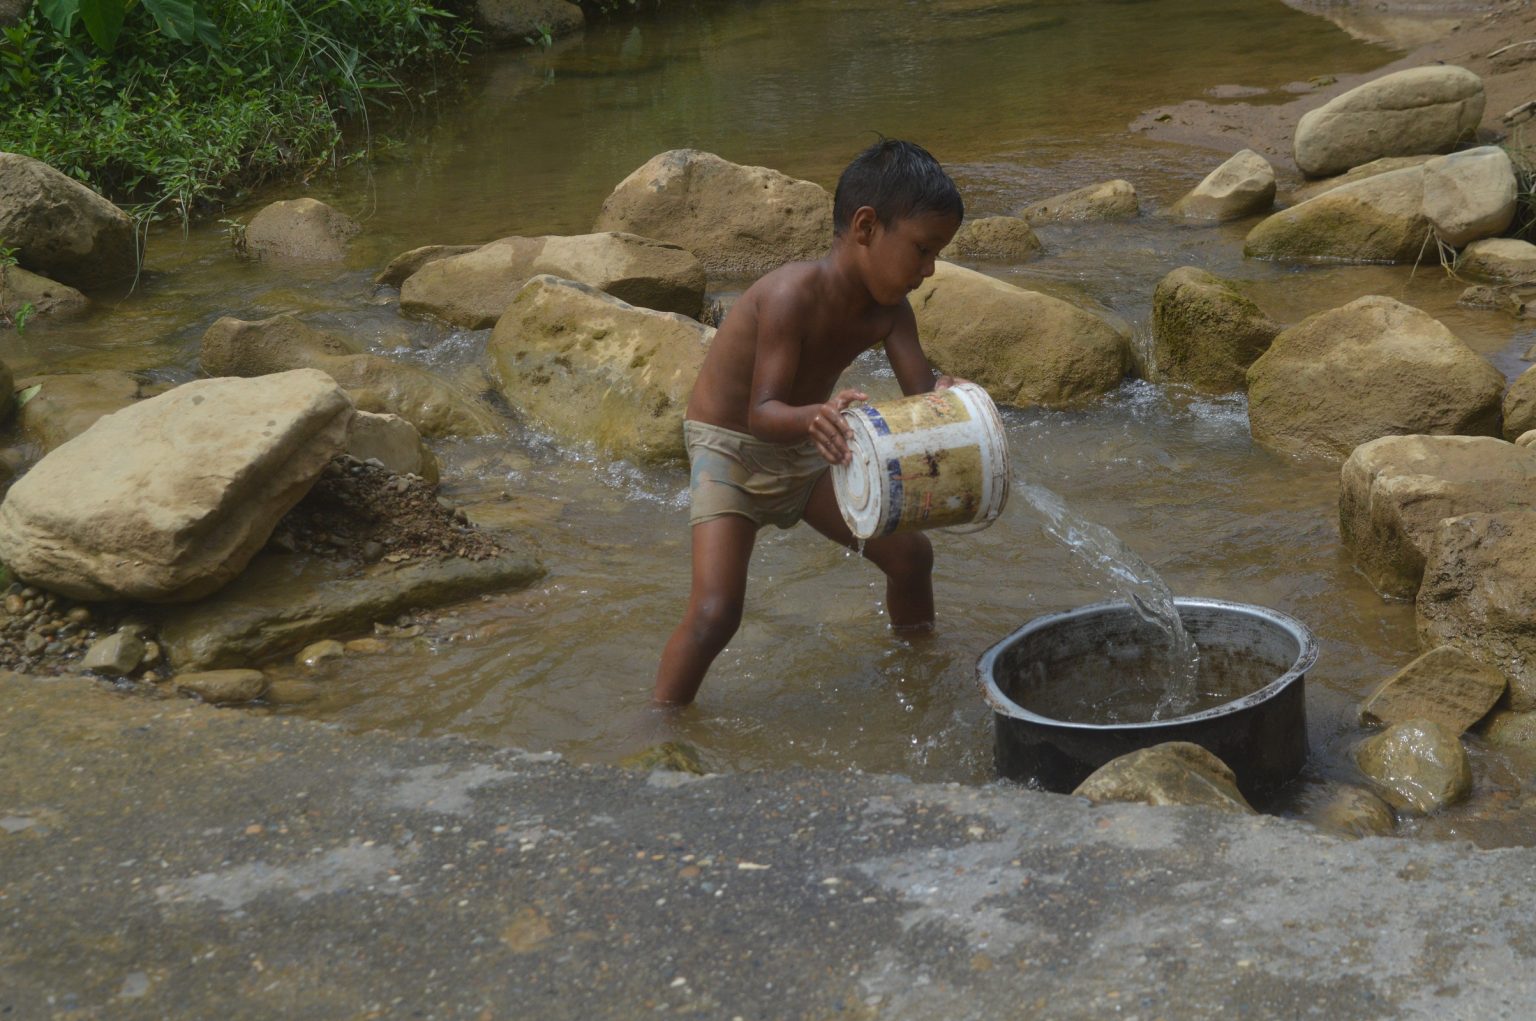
x=910, y=556
x=714, y=621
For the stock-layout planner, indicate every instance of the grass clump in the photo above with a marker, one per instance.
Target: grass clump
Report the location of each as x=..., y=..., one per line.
x=177, y=117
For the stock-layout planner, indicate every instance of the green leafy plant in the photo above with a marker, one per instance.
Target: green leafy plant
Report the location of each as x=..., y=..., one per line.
x=234, y=231
x=172, y=107
x=543, y=36
x=14, y=317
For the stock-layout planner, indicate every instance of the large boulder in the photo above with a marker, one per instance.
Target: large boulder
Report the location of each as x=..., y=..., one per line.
x=739, y=221
x=1242, y=186
x=169, y=498
x=517, y=22
x=1107, y=200
x=282, y=603
x=994, y=239
x=1024, y=347
x=596, y=369
x=303, y=230
x=1375, y=168
x=403, y=266
x=1395, y=491
x=473, y=290
x=1520, y=405
x=1418, y=766
x=1173, y=773
x=1470, y=195
x=1204, y=332
x=236, y=347
x=1378, y=219
x=1444, y=685
x=21, y=289
x=59, y=408
x=61, y=229
x=1501, y=259
x=1422, y=109
x=1478, y=589
x=1373, y=368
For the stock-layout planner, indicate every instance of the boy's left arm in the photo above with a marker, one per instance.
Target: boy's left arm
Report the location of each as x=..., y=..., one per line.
x=907, y=359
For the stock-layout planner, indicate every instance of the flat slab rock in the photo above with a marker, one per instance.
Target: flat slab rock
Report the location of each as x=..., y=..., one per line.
x=282, y=603
x=1444, y=685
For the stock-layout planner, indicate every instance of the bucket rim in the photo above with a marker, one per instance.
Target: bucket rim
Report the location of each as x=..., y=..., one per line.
x=1002, y=705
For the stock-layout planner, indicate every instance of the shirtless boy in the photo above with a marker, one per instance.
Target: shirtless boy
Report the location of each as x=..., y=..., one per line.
x=762, y=424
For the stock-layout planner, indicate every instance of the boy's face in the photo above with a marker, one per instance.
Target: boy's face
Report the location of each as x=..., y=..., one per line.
x=899, y=256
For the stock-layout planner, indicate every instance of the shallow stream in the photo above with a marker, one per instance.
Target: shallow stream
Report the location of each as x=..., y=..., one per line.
x=1021, y=100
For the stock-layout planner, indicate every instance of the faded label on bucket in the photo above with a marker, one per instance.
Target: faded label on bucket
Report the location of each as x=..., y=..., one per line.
x=915, y=414
x=934, y=488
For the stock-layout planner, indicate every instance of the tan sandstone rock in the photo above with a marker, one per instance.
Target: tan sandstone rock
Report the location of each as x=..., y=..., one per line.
x=515, y=22
x=1422, y=109
x=1500, y=258
x=1375, y=168
x=1377, y=219
x=472, y=290
x=63, y=407
x=1510, y=731
x=1024, y=347
x=1478, y=589
x=222, y=687
x=994, y=239
x=393, y=442
x=169, y=498
x=1350, y=811
x=1204, y=332
x=1444, y=685
x=20, y=289
x=737, y=220
x=402, y=266
x=1174, y=773
x=1395, y=491
x=1418, y=766
x=61, y=229
x=1519, y=406
x=596, y=369
x=1469, y=195
x=1242, y=186
x=303, y=230
x=1373, y=368
x=235, y=347
x=1107, y=200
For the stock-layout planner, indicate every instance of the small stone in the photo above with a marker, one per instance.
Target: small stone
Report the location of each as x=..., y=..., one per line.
x=1510, y=730
x=15, y=605
x=79, y=615
x=367, y=646
x=1445, y=685
x=372, y=551
x=223, y=687
x=115, y=655
x=33, y=644
x=1418, y=766
x=292, y=692
x=1172, y=773
x=675, y=756
x=1352, y=811
x=314, y=654
x=152, y=654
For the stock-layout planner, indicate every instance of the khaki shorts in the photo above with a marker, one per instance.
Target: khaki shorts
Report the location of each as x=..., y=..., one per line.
x=733, y=473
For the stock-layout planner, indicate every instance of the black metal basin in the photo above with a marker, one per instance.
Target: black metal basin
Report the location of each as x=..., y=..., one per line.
x=1253, y=665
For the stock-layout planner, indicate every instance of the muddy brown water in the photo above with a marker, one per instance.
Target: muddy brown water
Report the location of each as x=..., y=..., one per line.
x=1021, y=100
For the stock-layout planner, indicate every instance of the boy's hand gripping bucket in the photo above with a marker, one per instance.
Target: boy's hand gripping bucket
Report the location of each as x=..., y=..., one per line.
x=934, y=460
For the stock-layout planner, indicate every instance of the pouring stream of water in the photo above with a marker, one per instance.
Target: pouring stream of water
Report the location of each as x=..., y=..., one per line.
x=1113, y=563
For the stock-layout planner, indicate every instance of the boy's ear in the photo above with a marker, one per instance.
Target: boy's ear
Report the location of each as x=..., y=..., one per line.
x=863, y=223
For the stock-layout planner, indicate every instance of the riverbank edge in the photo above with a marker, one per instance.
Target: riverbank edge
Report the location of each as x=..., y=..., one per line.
x=168, y=859
x=1480, y=29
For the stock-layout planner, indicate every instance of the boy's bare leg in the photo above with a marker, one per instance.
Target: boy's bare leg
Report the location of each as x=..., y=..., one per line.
x=906, y=558
x=722, y=548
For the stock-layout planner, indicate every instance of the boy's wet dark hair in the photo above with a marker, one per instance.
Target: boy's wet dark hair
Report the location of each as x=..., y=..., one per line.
x=896, y=179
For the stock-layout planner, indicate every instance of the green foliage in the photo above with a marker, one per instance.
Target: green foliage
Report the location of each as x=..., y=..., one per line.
x=22, y=313
x=1522, y=153
x=172, y=106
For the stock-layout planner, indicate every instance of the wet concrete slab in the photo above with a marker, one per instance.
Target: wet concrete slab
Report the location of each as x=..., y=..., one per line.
x=171, y=860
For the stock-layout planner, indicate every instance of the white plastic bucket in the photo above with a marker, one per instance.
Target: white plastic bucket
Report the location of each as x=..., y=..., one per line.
x=934, y=460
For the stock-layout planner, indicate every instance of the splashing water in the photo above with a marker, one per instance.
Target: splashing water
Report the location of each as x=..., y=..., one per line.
x=1133, y=579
